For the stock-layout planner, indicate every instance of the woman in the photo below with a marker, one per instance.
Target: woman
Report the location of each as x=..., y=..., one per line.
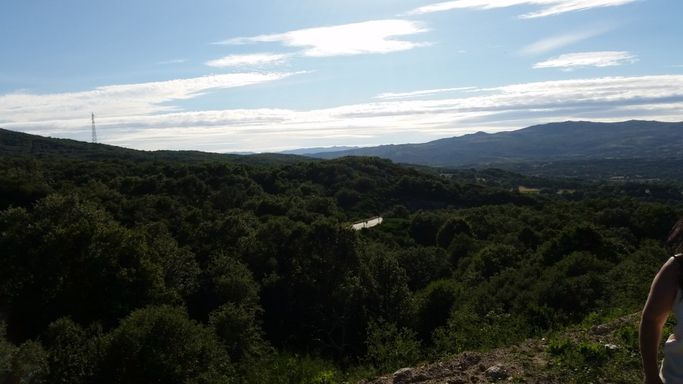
x=665, y=297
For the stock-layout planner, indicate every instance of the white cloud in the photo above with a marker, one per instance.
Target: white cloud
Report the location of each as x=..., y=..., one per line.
x=550, y=7
x=559, y=41
x=395, y=121
x=248, y=60
x=376, y=36
x=421, y=93
x=124, y=99
x=572, y=61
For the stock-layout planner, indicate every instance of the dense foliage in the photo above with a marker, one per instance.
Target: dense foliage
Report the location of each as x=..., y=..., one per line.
x=144, y=270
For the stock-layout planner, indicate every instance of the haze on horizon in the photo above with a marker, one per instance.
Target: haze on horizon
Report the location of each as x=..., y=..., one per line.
x=271, y=76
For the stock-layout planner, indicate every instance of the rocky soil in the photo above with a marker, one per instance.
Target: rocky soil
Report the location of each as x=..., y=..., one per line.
x=530, y=362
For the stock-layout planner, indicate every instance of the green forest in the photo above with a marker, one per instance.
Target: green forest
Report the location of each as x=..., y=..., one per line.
x=123, y=268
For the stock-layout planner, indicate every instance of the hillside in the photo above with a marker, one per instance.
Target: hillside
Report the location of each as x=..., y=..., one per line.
x=571, y=140
x=22, y=144
x=597, y=353
x=250, y=273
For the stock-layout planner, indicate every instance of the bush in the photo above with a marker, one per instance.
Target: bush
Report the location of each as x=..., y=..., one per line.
x=467, y=330
x=287, y=368
x=580, y=354
x=390, y=347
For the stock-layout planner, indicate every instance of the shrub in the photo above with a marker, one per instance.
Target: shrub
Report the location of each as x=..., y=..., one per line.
x=391, y=347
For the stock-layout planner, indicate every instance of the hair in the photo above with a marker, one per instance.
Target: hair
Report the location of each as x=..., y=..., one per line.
x=675, y=239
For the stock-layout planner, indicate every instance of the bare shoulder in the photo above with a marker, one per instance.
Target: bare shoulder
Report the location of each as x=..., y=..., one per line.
x=669, y=274
x=663, y=290
x=672, y=267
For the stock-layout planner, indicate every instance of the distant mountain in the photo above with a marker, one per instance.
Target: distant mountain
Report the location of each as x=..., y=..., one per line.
x=309, y=151
x=571, y=140
x=22, y=144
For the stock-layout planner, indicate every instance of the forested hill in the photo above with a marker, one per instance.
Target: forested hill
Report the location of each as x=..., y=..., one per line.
x=571, y=140
x=118, y=266
x=22, y=144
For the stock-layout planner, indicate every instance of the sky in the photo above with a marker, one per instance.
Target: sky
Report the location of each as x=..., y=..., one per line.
x=273, y=75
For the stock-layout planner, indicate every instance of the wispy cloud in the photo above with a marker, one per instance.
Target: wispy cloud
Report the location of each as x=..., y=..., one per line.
x=123, y=99
x=394, y=121
x=421, y=93
x=550, y=7
x=571, y=61
x=573, y=6
x=172, y=61
x=465, y=4
x=558, y=41
x=376, y=36
x=248, y=60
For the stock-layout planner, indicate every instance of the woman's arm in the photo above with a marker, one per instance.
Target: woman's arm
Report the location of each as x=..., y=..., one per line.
x=656, y=311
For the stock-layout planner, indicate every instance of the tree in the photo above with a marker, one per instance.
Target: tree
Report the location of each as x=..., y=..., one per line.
x=237, y=327
x=232, y=297
x=6, y=352
x=390, y=298
x=578, y=237
x=180, y=269
x=454, y=226
x=313, y=299
x=162, y=345
x=434, y=304
x=491, y=260
x=73, y=353
x=424, y=227
x=27, y=364
x=574, y=287
x=425, y=264
x=68, y=258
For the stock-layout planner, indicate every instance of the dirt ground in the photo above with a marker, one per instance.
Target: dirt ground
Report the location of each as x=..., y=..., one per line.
x=527, y=362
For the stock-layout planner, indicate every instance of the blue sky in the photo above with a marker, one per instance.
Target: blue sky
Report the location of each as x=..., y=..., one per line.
x=273, y=75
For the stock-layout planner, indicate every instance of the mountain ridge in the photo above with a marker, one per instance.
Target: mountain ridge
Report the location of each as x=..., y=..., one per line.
x=553, y=141
x=628, y=151
x=313, y=150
